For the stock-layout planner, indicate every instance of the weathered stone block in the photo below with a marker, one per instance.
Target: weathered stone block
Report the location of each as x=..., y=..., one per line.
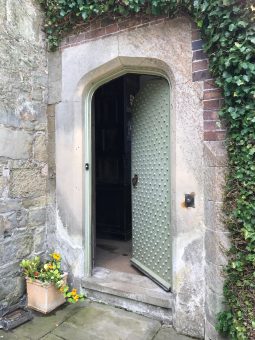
x=16, y=144
x=211, y=333
x=51, y=157
x=9, y=205
x=214, y=216
x=40, y=240
x=213, y=305
x=18, y=218
x=1, y=185
x=51, y=119
x=215, y=153
x=11, y=288
x=40, y=148
x=27, y=183
x=5, y=227
x=15, y=248
x=215, y=183
x=216, y=247
x=37, y=216
x=34, y=202
x=214, y=276
x=55, y=73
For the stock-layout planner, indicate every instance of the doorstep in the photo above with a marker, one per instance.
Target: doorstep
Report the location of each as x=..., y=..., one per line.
x=130, y=291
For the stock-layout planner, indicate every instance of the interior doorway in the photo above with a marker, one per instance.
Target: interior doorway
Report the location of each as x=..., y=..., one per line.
x=131, y=202
x=113, y=101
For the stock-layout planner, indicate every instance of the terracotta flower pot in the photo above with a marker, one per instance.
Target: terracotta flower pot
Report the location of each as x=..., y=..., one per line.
x=44, y=297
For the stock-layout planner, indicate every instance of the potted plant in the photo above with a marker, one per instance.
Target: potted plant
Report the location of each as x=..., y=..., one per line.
x=47, y=284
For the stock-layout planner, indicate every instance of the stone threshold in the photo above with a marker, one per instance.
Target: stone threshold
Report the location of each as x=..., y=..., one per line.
x=133, y=292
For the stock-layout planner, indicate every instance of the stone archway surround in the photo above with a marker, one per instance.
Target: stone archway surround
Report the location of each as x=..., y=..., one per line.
x=162, y=48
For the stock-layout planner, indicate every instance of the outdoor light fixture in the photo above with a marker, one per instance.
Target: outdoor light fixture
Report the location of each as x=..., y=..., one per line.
x=190, y=200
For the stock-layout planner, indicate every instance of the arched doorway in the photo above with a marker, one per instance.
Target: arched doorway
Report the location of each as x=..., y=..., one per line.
x=131, y=193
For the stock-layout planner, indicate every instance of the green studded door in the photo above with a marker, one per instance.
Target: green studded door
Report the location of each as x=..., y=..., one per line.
x=151, y=238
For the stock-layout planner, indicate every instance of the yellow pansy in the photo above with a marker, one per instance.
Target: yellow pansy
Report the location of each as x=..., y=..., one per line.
x=56, y=256
x=74, y=292
x=76, y=298
x=50, y=266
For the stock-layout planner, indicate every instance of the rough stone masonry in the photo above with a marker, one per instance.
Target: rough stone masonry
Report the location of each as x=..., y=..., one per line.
x=23, y=141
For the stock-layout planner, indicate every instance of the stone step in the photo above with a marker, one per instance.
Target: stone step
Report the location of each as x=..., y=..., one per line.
x=133, y=292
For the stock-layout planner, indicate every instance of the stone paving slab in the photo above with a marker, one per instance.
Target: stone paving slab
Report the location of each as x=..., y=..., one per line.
x=42, y=324
x=168, y=333
x=54, y=337
x=108, y=323
x=91, y=321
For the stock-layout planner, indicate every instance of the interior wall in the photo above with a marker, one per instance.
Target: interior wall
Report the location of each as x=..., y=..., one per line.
x=165, y=46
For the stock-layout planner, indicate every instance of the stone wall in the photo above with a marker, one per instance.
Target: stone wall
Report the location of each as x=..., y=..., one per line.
x=216, y=235
x=23, y=141
x=215, y=168
x=95, y=56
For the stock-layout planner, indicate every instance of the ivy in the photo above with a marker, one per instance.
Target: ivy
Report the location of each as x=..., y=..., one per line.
x=228, y=28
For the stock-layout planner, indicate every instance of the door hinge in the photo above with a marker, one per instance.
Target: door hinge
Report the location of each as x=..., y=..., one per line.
x=86, y=166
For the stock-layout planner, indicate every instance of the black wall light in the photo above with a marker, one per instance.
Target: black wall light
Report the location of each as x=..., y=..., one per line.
x=190, y=200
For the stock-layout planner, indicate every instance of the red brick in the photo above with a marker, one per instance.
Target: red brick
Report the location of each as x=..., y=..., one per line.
x=146, y=18
x=210, y=84
x=196, y=35
x=157, y=21
x=201, y=75
x=81, y=37
x=85, y=27
x=107, y=22
x=95, y=34
x=213, y=125
x=213, y=104
x=94, y=25
x=197, y=45
x=72, y=39
x=111, y=29
x=214, y=135
x=213, y=94
x=210, y=115
x=145, y=24
x=199, y=55
x=131, y=22
x=210, y=125
x=200, y=65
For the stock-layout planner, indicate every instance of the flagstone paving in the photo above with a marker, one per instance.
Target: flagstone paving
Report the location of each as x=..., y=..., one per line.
x=91, y=321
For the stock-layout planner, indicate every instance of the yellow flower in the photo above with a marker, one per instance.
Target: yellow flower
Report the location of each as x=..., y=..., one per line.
x=50, y=266
x=56, y=256
x=74, y=292
x=62, y=289
x=76, y=298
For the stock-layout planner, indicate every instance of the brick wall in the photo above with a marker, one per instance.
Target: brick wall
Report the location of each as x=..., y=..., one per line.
x=212, y=100
x=212, y=97
x=102, y=27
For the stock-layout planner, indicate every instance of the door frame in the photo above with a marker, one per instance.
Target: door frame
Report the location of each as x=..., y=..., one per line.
x=88, y=204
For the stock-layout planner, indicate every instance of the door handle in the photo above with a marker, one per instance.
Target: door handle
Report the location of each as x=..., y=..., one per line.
x=135, y=181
